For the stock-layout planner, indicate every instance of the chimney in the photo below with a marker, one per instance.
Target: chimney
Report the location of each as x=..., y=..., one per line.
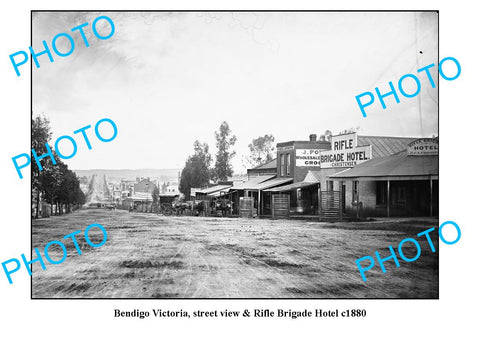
x=313, y=137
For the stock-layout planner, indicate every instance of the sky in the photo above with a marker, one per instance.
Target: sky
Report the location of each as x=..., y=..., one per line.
x=168, y=79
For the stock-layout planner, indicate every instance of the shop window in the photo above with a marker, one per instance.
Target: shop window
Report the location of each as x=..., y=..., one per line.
x=381, y=193
x=282, y=165
x=354, y=191
x=288, y=163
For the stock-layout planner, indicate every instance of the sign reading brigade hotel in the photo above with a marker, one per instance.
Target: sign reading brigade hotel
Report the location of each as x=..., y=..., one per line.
x=344, y=154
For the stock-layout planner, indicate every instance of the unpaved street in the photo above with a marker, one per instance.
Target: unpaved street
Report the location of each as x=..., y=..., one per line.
x=98, y=190
x=151, y=256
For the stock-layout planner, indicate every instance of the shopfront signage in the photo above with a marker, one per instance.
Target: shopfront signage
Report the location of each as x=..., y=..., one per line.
x=307, y=157
x=345, y=158
x=344, y=154
x=423, y=147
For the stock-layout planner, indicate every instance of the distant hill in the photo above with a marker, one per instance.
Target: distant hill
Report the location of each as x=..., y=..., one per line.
x=163, y=174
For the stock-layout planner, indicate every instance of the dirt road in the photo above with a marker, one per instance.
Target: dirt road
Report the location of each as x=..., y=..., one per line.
x=98, y=190
x=151, y=256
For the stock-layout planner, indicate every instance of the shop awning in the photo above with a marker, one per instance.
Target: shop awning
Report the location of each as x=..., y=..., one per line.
x=395, y=167
x=292, y=186
x=270, y=184
x=210, y=191
x=253, y=181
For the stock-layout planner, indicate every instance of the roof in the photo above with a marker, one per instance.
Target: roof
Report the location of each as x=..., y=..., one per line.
x=271, y=183
x=238, y=178
x=383, y=146
x=313, y=176
x=145, y=181
x=270, y=165
x=292, y=186
x=398, y=166
x=253, y=181
x=211, y=190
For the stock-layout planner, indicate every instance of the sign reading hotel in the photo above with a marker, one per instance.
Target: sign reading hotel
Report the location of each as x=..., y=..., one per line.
x=344, y=154
x=423, y=147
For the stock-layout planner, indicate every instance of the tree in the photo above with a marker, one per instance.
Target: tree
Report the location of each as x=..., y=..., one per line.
x=262, y=150
x=223, y=168
x=79, y=197
x=155, y=195
x=41, y=134
x=49, y=181
x=63, y=187
x=196, y=173
x=57, y=184
x=327, y=136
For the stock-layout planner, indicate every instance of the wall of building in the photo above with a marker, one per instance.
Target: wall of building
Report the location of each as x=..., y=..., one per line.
x=144, y=186
x=410, y=195
x=261, y=172
x=417, y=199
x=367, y=196
x=289, y=149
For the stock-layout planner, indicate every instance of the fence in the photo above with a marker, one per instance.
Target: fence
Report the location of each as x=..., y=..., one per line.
x=330, y=205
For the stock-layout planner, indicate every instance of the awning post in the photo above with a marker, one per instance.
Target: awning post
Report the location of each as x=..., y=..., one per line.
x=259, y=209
x=358, y=200
x=319, y=202
x=341, y=200
x=431, y=197
x=388, y=198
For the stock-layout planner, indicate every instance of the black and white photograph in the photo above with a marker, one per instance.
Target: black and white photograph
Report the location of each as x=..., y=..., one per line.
x=235, y=154
x=238, y=170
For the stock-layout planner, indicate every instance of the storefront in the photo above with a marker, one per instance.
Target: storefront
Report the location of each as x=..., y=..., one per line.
x=311, y=163
x=255, y=188
x=303, y=195
x=403, y=184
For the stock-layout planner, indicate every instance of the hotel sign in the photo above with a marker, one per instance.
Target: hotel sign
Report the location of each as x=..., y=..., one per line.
x=423, y=147
x=344, y=154
x=346, y=158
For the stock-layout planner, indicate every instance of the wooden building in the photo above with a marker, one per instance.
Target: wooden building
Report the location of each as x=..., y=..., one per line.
x=311, y=163
x=403, y=184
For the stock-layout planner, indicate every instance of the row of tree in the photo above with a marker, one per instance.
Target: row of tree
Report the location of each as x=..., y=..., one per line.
x=57, y=184
x=198, y=172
